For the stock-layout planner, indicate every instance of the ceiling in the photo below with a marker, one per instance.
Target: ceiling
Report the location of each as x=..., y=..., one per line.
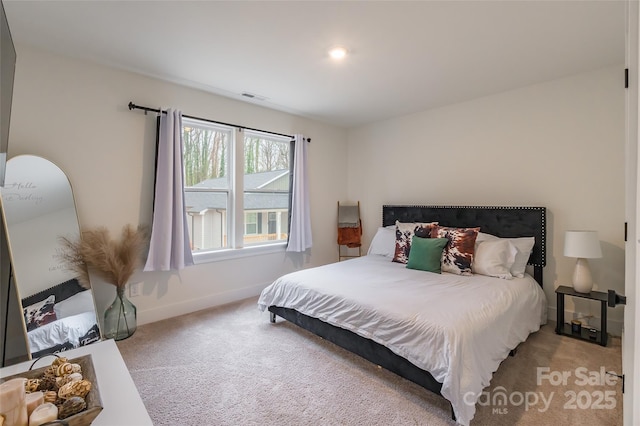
x=404, y=57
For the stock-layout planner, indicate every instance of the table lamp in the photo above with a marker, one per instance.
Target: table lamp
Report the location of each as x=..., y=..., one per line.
x=583, y=245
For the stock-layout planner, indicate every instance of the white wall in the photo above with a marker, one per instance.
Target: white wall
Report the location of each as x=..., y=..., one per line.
x=559, y=144
x=75, y=114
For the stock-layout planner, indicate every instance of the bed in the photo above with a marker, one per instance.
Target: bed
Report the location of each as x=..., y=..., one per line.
x=447, y=332
x=60, y=318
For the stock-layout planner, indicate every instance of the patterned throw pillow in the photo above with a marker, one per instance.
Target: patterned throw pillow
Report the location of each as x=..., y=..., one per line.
x=457, y=256
x=40, y=313
x=404, y=234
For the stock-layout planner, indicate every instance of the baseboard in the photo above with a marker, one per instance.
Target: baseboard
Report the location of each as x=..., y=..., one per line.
x=193, y=305
x=614, y=327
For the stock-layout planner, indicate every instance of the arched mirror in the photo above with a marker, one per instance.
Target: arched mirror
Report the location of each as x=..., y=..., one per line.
x=38, y=211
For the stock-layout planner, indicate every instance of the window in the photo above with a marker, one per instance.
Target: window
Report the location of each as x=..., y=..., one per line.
x=250, y=223
x=273, y=222
x=237, y=186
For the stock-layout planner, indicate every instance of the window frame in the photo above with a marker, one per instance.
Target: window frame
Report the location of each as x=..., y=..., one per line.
x=236, y=226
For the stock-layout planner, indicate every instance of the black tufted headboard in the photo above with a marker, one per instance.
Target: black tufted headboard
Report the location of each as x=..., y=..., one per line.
x=501, y=221
x=62, y=292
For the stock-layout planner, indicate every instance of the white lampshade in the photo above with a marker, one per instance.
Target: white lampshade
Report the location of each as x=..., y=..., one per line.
x=583, y=245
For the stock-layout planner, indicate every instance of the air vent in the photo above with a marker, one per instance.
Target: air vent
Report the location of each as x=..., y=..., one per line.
x=253, y=96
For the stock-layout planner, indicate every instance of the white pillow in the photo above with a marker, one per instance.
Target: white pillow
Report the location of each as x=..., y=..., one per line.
x=74, y=305
x=524, y=245
x=494, y=258
x=384, y=242
x=484, y=237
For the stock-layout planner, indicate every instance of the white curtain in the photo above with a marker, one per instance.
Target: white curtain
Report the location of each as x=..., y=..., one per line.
x=300, y=233
x=170, y=248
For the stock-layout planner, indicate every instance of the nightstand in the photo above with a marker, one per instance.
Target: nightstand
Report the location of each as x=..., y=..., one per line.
x=565, y=329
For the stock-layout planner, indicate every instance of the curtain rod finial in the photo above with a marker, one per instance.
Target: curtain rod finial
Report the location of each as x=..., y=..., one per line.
x=131, y=105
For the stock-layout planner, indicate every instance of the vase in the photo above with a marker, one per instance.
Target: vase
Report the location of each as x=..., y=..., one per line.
x=120, y=317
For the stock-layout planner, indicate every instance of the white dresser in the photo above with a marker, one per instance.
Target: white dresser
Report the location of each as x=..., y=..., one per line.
x=121, y=402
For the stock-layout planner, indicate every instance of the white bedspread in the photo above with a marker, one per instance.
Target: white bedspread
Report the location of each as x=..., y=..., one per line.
x=69, y=329
x=459, y=328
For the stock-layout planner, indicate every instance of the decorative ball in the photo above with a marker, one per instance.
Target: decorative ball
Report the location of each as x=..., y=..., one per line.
x=71, y=406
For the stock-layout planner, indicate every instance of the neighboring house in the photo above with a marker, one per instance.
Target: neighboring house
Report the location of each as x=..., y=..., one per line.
x=266, y=207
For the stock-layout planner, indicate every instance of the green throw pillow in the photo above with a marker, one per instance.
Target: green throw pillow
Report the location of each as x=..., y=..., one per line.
x=426, y=254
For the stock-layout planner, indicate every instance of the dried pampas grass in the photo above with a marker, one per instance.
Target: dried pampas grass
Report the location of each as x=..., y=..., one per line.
x=114, y=260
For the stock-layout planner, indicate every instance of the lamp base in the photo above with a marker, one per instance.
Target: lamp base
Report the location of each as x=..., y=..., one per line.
x=582, y=281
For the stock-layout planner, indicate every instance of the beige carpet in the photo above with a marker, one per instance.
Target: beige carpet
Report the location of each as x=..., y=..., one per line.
x=230, y=366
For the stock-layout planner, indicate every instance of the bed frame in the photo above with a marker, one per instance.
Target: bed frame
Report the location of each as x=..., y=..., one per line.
x=506, y=222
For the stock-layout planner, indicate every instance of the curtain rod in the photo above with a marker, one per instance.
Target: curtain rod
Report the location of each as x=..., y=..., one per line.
x=157, y=110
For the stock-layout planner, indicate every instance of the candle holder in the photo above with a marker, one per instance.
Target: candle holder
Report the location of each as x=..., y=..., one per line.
x=576, y=327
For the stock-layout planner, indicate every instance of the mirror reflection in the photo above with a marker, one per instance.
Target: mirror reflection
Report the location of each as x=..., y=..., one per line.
x=38, y=210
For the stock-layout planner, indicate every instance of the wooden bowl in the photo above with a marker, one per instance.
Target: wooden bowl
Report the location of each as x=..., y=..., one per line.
x=94, y=404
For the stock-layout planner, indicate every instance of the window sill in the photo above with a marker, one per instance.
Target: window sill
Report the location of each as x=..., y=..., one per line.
x=228, y=254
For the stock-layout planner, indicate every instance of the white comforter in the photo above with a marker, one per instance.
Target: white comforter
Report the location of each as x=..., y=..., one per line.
x=459, y=328
x=69, y=329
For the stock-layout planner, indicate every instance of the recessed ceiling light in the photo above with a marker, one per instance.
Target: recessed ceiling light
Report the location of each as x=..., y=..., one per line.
x=338, y=52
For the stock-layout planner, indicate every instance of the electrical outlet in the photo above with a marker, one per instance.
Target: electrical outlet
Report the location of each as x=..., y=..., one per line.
x=134, y=289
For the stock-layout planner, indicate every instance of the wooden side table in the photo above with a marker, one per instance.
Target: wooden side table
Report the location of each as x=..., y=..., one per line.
x=585, y=333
